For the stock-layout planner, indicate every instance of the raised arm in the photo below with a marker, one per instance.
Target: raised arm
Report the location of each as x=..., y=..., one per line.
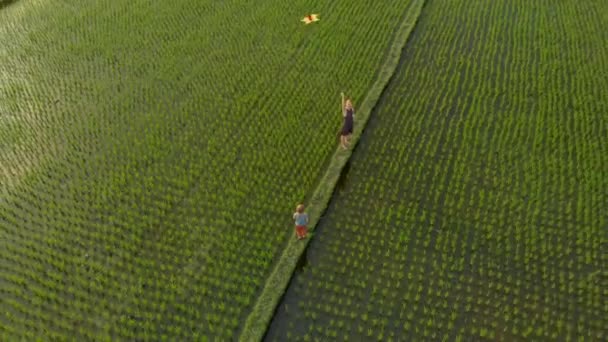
x=343, y=110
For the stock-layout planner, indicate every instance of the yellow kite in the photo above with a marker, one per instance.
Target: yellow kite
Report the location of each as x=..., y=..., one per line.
x=310, y=18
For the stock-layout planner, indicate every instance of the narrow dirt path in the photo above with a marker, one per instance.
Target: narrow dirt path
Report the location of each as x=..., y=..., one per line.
x=258, y=321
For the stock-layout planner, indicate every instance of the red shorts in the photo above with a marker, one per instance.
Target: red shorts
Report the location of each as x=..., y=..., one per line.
x=301, y=230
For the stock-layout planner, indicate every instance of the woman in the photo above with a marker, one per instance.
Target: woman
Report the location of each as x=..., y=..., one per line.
x=349, y=117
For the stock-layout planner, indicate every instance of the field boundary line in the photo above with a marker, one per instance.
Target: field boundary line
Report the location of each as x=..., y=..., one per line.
x=265, y=305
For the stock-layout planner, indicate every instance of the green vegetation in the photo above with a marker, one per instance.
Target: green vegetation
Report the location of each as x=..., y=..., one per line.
x=261, y=315
x=475, y=205
x=152, y=153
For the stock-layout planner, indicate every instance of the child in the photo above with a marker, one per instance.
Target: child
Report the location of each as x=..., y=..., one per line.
x=301, y=219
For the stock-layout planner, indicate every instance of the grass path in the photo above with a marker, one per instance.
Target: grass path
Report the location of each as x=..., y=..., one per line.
x=257, y=322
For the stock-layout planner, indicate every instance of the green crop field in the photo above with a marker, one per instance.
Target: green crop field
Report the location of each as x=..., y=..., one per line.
x=475, y=206
x=151, y=155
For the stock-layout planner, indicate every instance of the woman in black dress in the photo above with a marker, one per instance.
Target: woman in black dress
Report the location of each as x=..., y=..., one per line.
x=349, y=117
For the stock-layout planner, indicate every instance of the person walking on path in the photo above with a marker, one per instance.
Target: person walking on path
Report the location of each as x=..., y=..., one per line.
x=301, y=220
x=349, y=117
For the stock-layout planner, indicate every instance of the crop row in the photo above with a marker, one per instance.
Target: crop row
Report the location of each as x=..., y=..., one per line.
x=473, y=208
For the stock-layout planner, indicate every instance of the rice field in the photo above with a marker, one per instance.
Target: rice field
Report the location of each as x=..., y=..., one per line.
x=475, y=206
x=151, y=155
